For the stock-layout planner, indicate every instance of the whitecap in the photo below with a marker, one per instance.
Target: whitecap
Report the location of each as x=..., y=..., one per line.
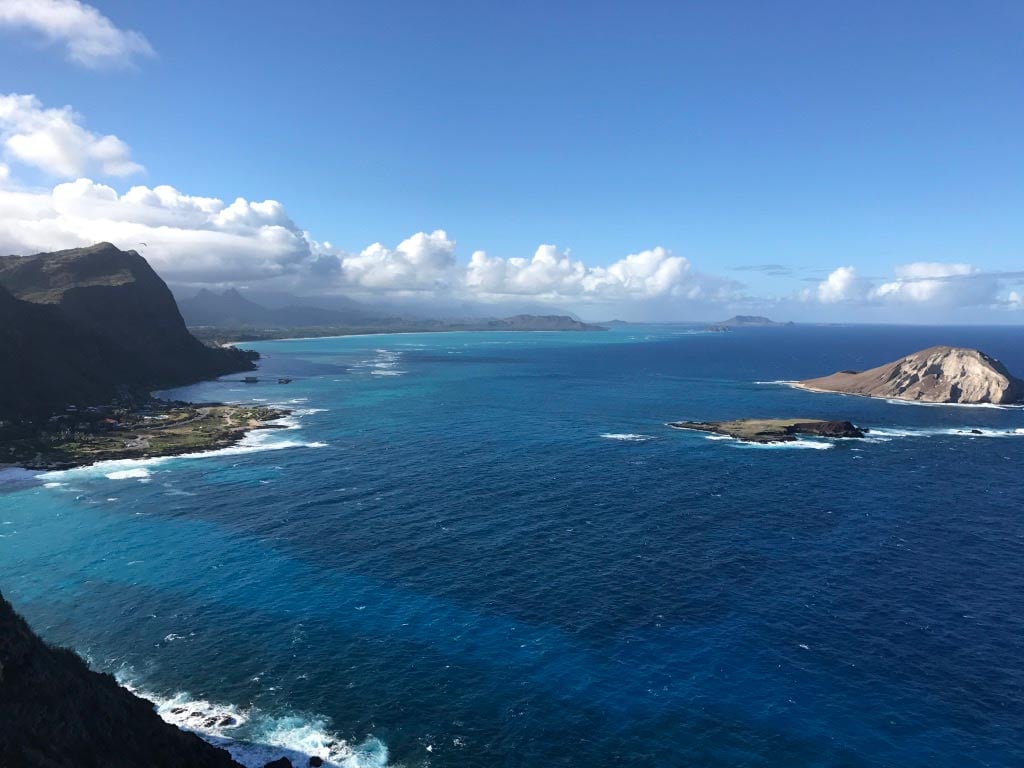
x=885, y=434
x=628, y=437
x=136, y=473
x=812, y=444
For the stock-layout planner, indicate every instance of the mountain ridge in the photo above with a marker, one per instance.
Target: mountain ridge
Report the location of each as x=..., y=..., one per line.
x=208, y=312
x=85, y=325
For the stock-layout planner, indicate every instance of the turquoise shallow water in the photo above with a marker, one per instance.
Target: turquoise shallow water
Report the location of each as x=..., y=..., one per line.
x=486, y=549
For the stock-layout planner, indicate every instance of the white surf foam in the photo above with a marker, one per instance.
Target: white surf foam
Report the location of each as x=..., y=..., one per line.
x=896, y=400
x=885, y=434
x=254, y=737
x=819, y=445
x=628, y=437
x=995, y=406
x=136, y=473
x=383, y=363
x=254, y=442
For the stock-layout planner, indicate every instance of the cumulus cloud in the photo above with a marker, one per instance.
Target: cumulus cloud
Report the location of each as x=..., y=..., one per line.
x=89, y=38
x=199, y=240
x=192, y=239
x=933, y=284
x=188, y=238
x=54, y=140
x=554, y=274
x=940, y=284
x=842, y=284
x=421, y=262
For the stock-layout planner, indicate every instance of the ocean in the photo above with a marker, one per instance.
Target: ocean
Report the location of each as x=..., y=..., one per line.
x=487, y=549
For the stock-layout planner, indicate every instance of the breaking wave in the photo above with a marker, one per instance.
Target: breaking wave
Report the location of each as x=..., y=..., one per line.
x=628, y=437
x=819, y=445
x=885, y=434
x=994, y=406
x=138, y=473
x=123, y=469
x=383, y=363
x=254, y=737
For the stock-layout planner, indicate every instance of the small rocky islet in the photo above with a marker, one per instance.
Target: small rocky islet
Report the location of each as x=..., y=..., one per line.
x=774, y=430
x=945, y=375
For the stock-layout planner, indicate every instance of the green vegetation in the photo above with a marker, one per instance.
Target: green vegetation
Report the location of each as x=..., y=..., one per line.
x=101, y=434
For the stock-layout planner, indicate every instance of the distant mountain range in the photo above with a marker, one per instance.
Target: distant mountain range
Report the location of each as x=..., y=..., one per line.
x=82, y=326
x=231, y=315
x=231, y=309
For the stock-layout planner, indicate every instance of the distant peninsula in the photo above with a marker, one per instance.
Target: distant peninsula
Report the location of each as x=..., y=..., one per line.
x=933, y=375
x=773, y=430
x=231, y=316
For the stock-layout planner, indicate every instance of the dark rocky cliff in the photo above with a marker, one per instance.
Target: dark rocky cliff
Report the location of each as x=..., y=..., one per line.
x=80, y=326
x=57, y=713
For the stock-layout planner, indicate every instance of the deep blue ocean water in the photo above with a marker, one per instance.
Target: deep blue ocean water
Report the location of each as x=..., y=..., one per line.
x=479, y=549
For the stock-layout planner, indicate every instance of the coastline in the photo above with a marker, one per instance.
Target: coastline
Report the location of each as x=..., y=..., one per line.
x=163, y=430
x=231, y=344
x=896, y=400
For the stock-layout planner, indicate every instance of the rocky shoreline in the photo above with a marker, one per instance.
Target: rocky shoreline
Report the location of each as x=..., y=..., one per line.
x=56, y=712
x=160, y=428
x=774, y=430
x=944, y=375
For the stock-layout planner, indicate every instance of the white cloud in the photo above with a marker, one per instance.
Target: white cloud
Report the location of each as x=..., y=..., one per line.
x=192, y=239
x=922, y=283
x=553, y=274
x=841, y=285
x=187, y=238
x=939, y=284
x=55, y=141
x=89, y=37
x=421, y=262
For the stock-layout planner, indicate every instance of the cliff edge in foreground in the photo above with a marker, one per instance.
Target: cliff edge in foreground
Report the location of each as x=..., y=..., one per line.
x=934, y=375
x=57, y=713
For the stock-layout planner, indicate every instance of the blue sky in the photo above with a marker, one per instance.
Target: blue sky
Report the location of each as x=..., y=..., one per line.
x=764, y=145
